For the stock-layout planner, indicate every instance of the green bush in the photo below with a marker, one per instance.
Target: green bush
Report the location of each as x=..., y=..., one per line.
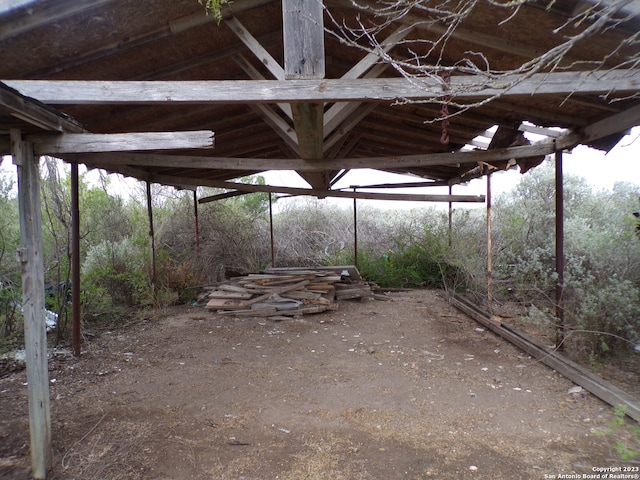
x=119, y=269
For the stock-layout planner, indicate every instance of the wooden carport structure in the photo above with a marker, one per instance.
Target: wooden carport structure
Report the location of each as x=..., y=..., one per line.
x=300, y=85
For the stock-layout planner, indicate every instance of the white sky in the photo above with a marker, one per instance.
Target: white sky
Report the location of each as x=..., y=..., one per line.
x=601, y=171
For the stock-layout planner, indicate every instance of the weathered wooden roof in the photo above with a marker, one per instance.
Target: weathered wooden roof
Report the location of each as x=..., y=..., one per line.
x=185, y=72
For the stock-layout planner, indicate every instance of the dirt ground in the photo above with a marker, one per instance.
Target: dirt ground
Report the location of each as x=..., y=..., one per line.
x=405, y=389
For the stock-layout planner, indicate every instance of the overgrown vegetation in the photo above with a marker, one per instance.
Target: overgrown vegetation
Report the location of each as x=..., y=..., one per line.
x=395, y=249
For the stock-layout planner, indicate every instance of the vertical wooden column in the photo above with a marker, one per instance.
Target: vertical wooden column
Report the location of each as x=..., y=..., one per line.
x=273, y=250
x=152, y=244
x=75, y=261
x=31, y=261
x=489, y=242
x=303, y=38
x=559, y=300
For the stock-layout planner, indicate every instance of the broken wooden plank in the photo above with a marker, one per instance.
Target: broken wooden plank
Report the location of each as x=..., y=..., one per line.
x=599, y=387
x=259, y=312
x=221, y=303
x=230, y=295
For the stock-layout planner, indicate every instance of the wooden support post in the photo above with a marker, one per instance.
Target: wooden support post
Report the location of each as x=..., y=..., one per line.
x=152, y=243
x=75, y=262
x=303, y=38
x=355, y=231
x=489, y=241
x=32, y=265
x=273, y=251
x=559, y=300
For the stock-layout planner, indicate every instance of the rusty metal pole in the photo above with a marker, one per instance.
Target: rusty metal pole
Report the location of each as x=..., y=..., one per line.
x=559, y=306
x=355, y=231
x=273, y=251
x=489, y=238
x=450, y=214
x=152, y=244
x=75, y=261
x=196, y=223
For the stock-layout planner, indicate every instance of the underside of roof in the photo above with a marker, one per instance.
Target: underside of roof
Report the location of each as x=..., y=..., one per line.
x=318, y=87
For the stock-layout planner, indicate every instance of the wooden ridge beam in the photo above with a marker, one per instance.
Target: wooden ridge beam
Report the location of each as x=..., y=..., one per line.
x=87, y=92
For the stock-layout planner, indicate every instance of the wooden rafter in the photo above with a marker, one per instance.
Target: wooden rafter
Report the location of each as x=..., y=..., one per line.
x=34, y=113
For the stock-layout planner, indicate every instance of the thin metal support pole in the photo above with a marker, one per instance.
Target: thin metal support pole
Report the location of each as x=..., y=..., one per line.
x=273, y=251
x=489, y=242
x=355, y=231
x=196, y=224
x=450, y=214
x=560, y=261
x=152, y=244
x=75, y=262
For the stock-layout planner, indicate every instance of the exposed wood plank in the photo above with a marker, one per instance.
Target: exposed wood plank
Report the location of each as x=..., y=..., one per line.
x=45, y=13
x=346, y=194
x=34, y=113
x=303, y=36
x=256, y=48
x=355, y=116
x=172, y=27
x=610, y=125
x=471, y=36
x=278, y=124
x=116, y=142
x=261, y=164
x=307, y=118
x=175, y=180
x=85, y=92
x=369, y=60
x=339, y=112
x=577, y=374
x=30, y=256
x=254, y=74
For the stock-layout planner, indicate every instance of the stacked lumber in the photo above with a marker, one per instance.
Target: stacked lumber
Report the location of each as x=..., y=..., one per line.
x=288, y=292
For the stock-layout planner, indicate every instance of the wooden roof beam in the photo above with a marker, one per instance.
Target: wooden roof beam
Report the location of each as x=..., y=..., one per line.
x=79, y=92
x=608, y=126
x=263, y=164
x=89, y=142
x=234, y=186
x=34, y=113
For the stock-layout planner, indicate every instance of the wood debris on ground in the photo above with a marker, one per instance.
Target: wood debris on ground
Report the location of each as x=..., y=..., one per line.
x=279, y=293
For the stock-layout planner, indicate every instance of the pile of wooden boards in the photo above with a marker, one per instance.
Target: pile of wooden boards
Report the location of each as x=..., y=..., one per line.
x=283, y=292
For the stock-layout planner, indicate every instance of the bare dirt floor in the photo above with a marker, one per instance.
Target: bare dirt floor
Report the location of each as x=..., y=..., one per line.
x=405, y=389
